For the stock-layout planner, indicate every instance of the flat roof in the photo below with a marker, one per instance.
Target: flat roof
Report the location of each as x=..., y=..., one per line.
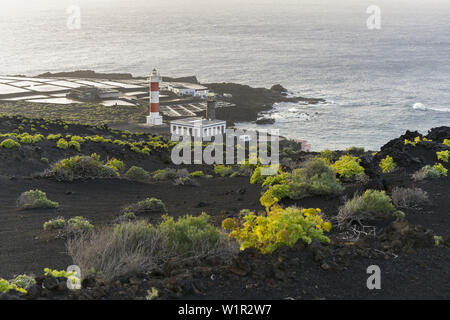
x=186, y=85
x=197, y=121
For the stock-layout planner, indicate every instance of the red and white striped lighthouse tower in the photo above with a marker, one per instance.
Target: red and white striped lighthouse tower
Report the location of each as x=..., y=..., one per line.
x=154, y=118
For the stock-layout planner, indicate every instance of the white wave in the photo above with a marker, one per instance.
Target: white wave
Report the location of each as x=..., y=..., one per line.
x=421, y=106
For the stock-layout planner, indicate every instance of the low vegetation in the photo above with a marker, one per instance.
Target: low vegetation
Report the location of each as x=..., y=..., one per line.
x=35, y=199
x=137, y=246
x=9, y=144
x=443, y=155
x=80, y=167
x=387, y=164
x=149, y=205
x=348, y=166
x=409, y=197
x=280, y=227
x=55, y=224
x=370, y=206
x=316, y=178
x=138, y=174
x=433, y=172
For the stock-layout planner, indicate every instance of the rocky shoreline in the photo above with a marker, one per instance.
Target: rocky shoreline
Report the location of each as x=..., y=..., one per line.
x=249, y=101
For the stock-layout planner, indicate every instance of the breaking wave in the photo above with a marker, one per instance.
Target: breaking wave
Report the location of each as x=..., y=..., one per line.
x=422, y=107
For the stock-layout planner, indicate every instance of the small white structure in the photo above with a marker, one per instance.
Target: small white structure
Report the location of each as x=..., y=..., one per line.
x=188, y=89
x=108, y=93
x=198, y=127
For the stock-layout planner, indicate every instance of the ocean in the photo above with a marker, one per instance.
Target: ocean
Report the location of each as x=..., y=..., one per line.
x=377, y=82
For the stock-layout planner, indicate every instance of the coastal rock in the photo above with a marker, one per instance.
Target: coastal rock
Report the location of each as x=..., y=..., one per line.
x=278, y=88
x=265, y=121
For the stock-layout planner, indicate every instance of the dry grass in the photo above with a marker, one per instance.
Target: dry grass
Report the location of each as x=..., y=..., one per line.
x=409, y=197
x=133, y=247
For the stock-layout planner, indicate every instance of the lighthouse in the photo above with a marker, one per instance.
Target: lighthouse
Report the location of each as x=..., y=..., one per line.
x=154, y=117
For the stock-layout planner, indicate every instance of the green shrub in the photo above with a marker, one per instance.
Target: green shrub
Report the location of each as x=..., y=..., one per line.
x=328, y=155
x=152, y=205
x=197, y=174
x=55, y=224
x=77, y=139
x=188, y=233
x=137, y=246
x=78, y=225
x=137, y=173
x=348, y=166
x=53, y=136
x=29, y=139
x=116, y=164
x=316, y=178
x=446, y=142
x=75, y=145
x=372, y=205
x=139, y=233
x=275, y=179
x=223, y=170
x=164, y=174
x=274, y=194
x=357, y=151
x=5, y=286
x=280, y=227
x=23, y=281
x=59, y=273
x=443, y=155
x=433, y=172
x=35, y=199
x=387, y=164
x=441, y=169
x=129, y=215
x=262, y=172
x=79, y=167
x=62, y=144
x=9, y=144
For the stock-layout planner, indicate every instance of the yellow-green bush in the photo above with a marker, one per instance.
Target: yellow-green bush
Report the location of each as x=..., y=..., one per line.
x=62, y=144
x=348, y=166
x=223, y=170
x=387, y=164
x=116, y=164
x=274, y=194
x=55, y=224
x=78, y=225
x=5, y=286
x=74, y=144
x=53, y=136
x=197, y=174
x=446, y=142
x=9, y=144
x=441, y=169
x=443, y=155
x=280, y=227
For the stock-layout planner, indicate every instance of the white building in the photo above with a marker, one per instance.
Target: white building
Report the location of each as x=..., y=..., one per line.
x=197, y=127
x=189, y=89
x=108, y=93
